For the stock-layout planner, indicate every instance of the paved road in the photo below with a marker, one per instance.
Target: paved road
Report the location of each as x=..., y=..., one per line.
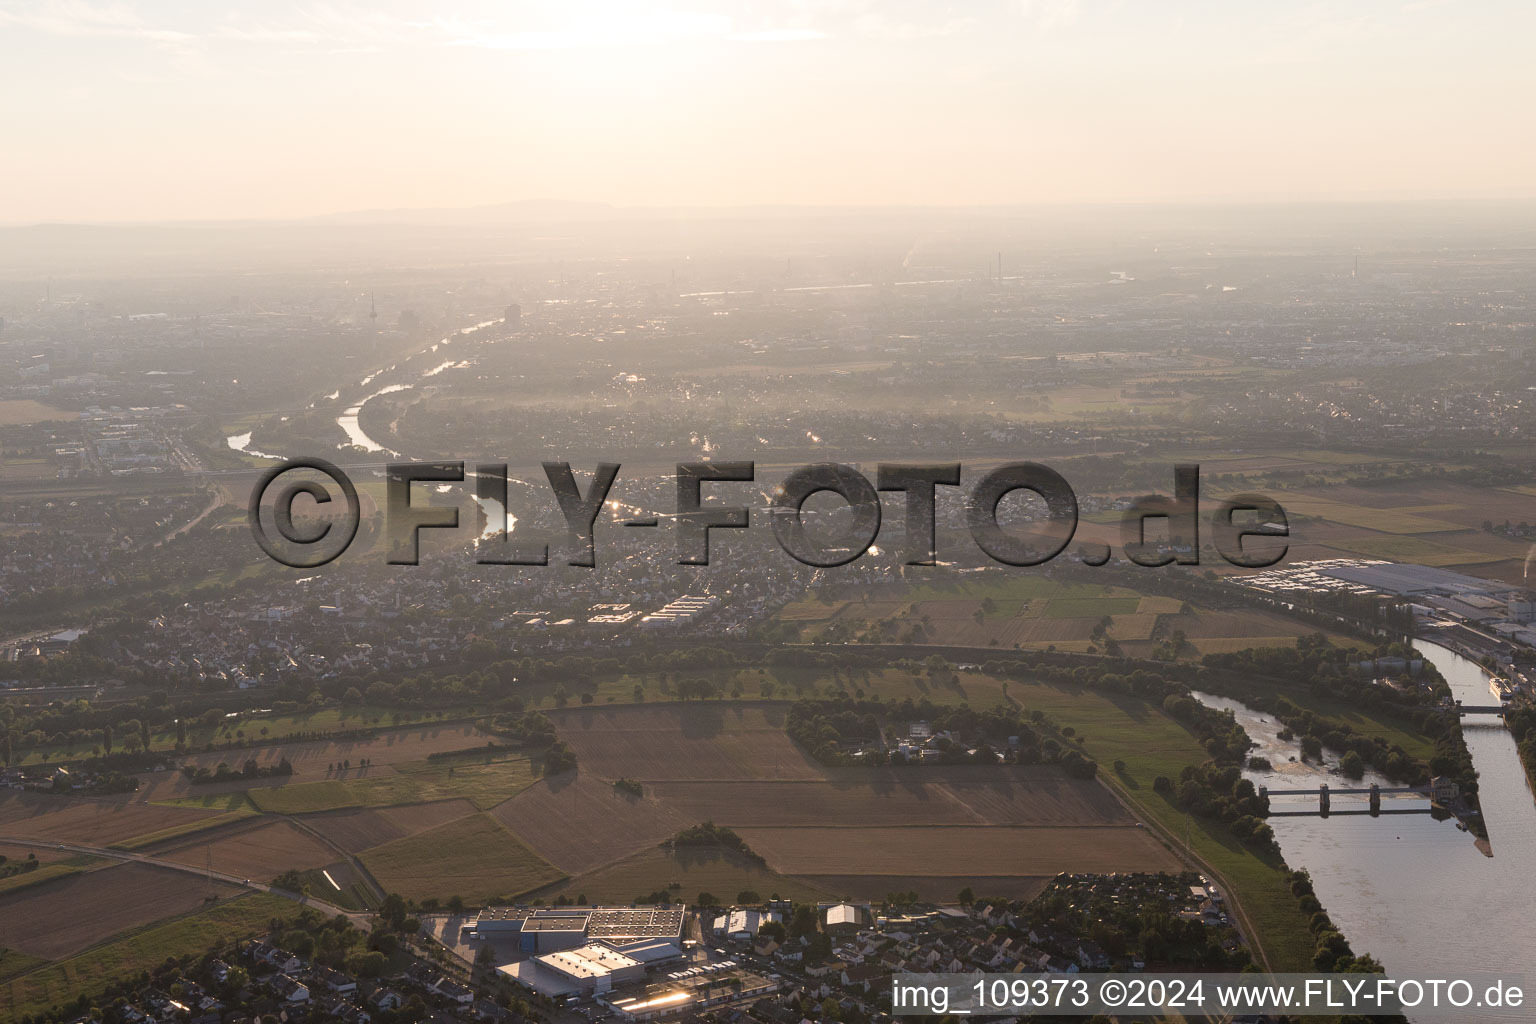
x=363, y=921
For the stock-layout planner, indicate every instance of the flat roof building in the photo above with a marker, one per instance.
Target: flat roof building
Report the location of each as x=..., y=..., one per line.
x=591, y=968
x=551, y=929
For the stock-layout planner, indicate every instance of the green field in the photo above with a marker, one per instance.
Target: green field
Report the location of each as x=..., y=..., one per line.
x=1420, y=551
x=209, y=802
x=127, y=954
x=412, y=782
x=46, y=873
x=14, y=962
x=1384, y=520
x=472, y=857
x=355, y=896
x=1090, y=607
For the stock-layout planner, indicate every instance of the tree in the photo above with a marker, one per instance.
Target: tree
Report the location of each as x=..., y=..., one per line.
x=804, y=921
x=393, y=910
x=708, y=899
x=748, y=896
x=106, y=738
x=966, y=897
x=371, y=964
x=1352, y=765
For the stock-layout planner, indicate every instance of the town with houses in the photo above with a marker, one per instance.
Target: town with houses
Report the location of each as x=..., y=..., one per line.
x=776, y=962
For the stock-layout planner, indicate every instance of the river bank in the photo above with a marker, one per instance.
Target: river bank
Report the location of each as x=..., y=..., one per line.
x=1419, y=894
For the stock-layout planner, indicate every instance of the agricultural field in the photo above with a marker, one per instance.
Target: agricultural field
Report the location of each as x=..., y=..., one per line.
x=932, y=795
x=22, y=411
x=33, y=987
x=472, y=857
x=57, y=869
x=259, y=849
x=87, y=821
x=484, y=785
x=357, y=829
x=685, y=874
x=823, y=829
x=1009, y=611
x=580, y=822
x=960, y=851
x=684, y=741
x=934, y=888
x=83, y=909
x=310, y=757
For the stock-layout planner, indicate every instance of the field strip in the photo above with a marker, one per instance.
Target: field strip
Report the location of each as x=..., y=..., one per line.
x=190, y=830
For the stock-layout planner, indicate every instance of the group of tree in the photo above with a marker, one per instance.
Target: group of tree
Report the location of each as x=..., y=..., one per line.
x=250, y=769
x=707, y=833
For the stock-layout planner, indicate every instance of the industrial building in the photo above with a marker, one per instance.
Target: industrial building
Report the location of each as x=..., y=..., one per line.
x=1417, y=581
x=591, y=968
x=742, y=925
x=541, y=930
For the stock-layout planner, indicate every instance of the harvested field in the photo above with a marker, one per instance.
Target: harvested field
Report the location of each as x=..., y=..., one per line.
x=484, y=785
x=704, y=741
x=933, y=888
x=359, y=829
x=1137, y=626
x=777, y=804
x=473, y=857
x=579, y=823
x=958, y=795
x=86, y=820
x=1159, y=606
x=83, y=909
x=684, y=874
x=1029, y=795
x=261, y=852
x=960, y=851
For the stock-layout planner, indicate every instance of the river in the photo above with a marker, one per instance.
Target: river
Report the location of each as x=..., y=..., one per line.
x=1416, y=893
x=348, y=420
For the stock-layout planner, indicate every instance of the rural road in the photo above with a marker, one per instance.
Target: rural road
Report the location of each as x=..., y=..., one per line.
x=363, y=921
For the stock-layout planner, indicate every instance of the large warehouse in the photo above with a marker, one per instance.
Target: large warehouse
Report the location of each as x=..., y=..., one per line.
x=543, y=930
x=595, y=967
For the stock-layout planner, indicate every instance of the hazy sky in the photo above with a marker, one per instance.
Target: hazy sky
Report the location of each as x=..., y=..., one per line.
x=122, y=110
